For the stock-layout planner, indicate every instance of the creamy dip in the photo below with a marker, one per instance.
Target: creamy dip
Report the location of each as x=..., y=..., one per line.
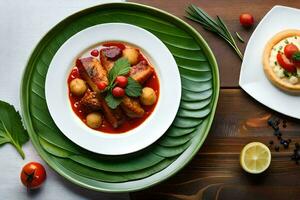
x=278, y=70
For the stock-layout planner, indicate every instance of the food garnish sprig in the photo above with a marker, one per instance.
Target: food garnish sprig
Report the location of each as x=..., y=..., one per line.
x=217, y=26
x=119, y=84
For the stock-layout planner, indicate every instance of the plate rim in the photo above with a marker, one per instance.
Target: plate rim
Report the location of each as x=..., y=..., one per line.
x=105, y=143
x=28, y=70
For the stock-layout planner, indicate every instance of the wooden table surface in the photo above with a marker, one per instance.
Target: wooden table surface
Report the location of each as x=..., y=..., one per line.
x=215, y=173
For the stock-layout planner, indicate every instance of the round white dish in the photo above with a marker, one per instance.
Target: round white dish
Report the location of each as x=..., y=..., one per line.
x=56, y=90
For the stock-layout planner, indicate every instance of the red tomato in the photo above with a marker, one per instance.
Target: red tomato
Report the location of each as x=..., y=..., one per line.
x=95, y=53
x=118, y=92
x=246, y=20
x=285, y=63
x=101, y=85
x=121, y=81
x=289, y=50
x=33, y=175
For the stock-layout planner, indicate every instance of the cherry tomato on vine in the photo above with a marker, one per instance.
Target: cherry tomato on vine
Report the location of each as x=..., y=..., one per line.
x=33, y=175
x=121, y=81
x=118, y=92
x=101, y=85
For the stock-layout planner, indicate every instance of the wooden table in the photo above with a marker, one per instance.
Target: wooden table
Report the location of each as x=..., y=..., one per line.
x=215, y=173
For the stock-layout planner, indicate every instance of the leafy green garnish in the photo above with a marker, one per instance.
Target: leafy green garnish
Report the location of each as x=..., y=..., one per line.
x=112, y=101
x=11, y=128
x=296, y=56
x=275, y=62
x=286, y=41
x=133, y=89
x=214, y=25
x=121, y=67
x=286, y=73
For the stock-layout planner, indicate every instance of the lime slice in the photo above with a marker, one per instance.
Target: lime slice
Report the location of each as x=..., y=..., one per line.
x=255, y=157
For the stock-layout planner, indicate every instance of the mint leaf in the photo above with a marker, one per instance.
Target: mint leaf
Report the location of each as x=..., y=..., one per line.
x=133, y=88
x=296, y=56
x=11, y=127
x=121, y=67
x=112, y=101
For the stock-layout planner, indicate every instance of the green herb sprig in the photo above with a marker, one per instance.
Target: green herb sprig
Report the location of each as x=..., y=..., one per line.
x=296, y=56
x=217, y=26
x=11, y=128
x=133, y=89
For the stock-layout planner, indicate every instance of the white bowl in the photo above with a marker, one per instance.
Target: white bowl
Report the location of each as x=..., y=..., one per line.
x=152, y=128
x=252, y=78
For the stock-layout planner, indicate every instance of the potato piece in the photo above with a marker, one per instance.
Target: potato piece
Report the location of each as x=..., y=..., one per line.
x=132, y=55
x=78, y=87
x=94, y=120
x=148, y=96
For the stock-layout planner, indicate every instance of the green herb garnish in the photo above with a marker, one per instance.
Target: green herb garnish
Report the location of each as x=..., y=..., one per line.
x=296, y=56
x=217, y=26
x=295, y=37
x=112, y=101
x=133, y=88
x=280, y=48
x=11, y=128
x=286, y=41
x=286, y=73
x=121, y=67
x=239, y=37
x=275, y=62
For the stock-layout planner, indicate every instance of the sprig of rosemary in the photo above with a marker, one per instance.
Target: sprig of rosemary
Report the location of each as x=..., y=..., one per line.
x=217, y=26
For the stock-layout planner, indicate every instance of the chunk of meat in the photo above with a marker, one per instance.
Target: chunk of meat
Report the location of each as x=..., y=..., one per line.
x=112, y=53
x=114, y=116
x=141, y=72
x=132, y=107
x=109, y=55
x=90, y=103
x=92, y=72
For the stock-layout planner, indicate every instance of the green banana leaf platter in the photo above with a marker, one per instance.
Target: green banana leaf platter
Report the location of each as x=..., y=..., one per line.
x=200, y=90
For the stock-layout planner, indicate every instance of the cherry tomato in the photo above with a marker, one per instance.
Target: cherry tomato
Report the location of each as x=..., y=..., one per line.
x=95, y=53
x=285, y=63
x=118, y=92
x=246, y=20
x=289, y=50
x=33, y=175
x=101, y=85
x=121, y=81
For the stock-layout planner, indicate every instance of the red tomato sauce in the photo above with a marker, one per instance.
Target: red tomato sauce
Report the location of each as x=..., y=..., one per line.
x=129, y=123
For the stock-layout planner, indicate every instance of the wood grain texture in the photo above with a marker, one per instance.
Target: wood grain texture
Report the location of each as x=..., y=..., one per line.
x=215, y=173
x=229, y=63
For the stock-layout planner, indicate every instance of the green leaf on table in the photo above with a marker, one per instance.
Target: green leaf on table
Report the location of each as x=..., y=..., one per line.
x=112, y=101
x=11, y=128
x=133, y=88
x=121, y=67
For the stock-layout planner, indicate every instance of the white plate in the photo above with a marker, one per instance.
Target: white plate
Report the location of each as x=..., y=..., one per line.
x=252, y=77
x=113, y=144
